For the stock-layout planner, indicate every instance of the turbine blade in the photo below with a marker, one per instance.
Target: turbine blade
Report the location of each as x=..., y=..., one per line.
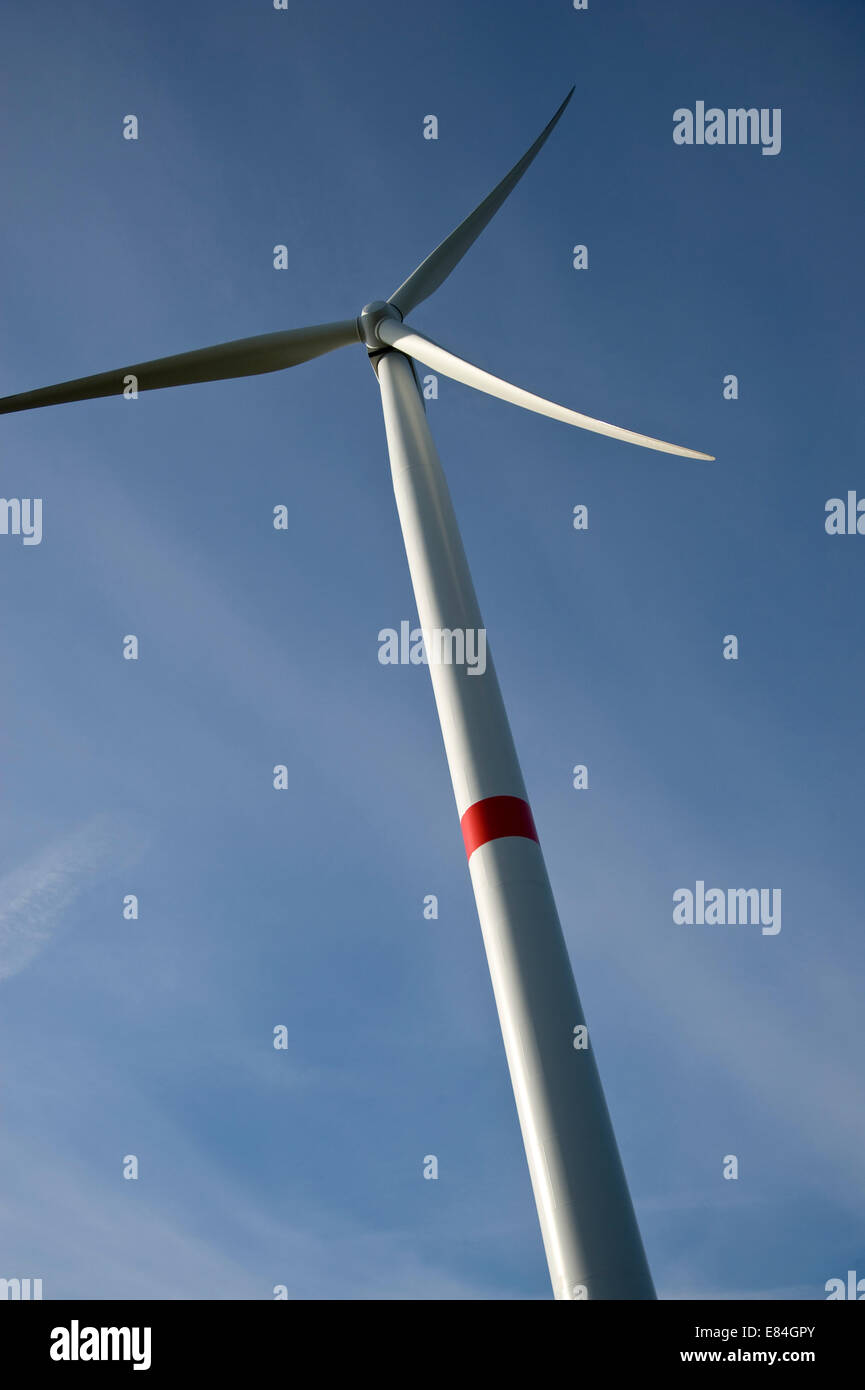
x=403, y=337
x=268, y=352
x=439, y=263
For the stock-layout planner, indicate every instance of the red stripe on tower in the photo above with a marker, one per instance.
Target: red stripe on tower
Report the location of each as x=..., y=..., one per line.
x=494, y=818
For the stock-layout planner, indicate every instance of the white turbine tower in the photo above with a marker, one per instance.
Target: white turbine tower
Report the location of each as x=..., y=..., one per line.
x=590, y=1233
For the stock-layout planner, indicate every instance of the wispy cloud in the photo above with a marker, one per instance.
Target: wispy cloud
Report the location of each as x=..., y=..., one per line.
x=35, y=897
x=99, y=1237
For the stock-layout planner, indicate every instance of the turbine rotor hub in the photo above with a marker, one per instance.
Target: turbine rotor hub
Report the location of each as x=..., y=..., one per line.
x=371, y=316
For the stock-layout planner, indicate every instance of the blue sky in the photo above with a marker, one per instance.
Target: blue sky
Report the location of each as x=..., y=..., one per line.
x=303, y=1167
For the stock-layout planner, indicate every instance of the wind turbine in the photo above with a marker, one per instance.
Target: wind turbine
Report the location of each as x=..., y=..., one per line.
x=587, y=1221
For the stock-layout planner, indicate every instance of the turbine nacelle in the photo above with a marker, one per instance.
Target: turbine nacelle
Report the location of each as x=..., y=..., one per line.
x=371, y=315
